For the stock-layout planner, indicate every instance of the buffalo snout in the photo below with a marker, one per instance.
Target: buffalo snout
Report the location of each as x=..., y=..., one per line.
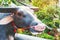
x=37, y=27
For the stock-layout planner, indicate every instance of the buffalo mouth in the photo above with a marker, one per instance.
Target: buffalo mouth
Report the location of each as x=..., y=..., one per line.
x=37, y=28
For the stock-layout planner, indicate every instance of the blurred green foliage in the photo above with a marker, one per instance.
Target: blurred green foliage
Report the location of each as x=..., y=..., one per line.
x=49, y=16
x=44, y=3
x=49, y=13
x=5, y=2
x=45, y=35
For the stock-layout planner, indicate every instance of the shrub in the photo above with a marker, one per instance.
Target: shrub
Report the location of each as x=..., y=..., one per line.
x=44, y=3
x=48, y=12
x=49, y=16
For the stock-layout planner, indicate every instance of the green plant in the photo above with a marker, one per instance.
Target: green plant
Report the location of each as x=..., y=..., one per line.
x=44, y=3
x=5, y=2
x=45, y=35
x=49, y=16
x=48, y=12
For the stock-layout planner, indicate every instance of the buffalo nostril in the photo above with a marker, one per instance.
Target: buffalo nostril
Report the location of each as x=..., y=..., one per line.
x=34, y=24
